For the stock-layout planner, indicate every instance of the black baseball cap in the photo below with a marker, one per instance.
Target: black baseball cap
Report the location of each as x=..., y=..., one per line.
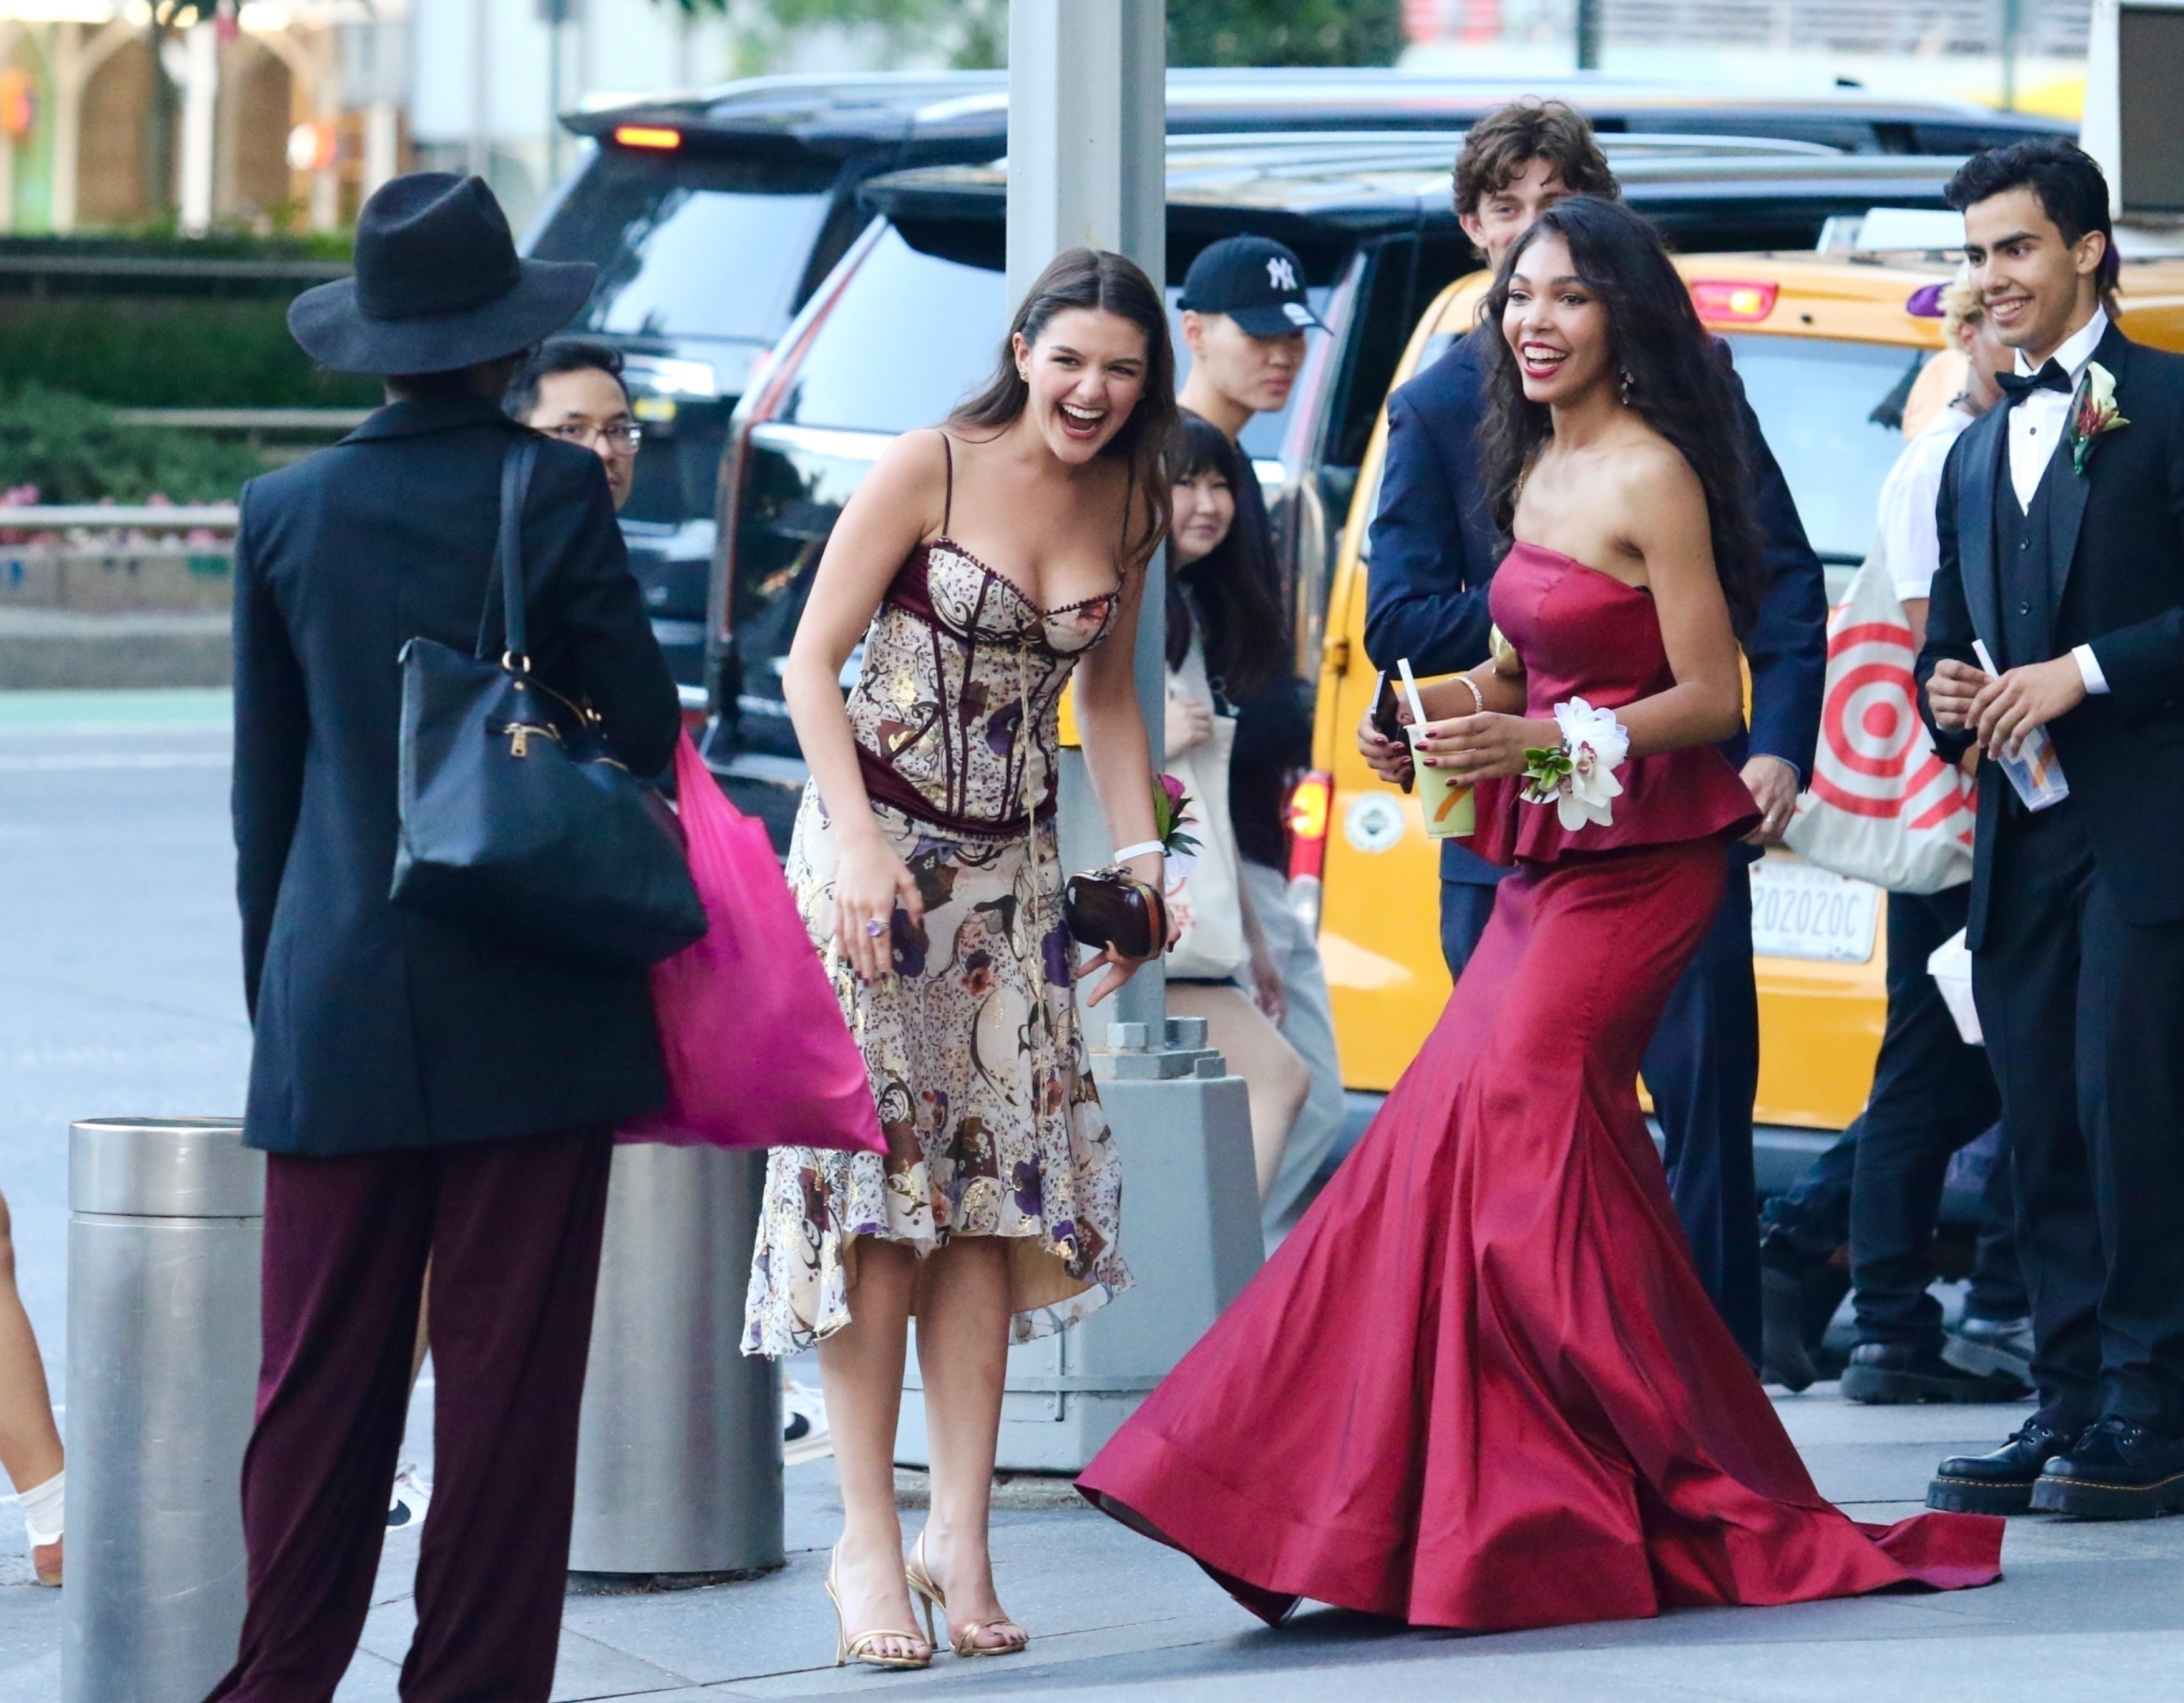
x=1256, y=282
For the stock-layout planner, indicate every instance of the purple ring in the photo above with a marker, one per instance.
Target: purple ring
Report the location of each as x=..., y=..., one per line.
x=874, y=927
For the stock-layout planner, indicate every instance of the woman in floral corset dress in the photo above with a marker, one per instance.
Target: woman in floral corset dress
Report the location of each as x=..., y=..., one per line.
x=1481, y=1385
x=983, y=564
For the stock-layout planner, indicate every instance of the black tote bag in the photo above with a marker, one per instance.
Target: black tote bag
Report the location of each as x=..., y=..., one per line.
x=516, y=820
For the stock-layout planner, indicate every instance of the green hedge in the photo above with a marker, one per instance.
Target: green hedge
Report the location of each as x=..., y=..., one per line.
x=153, y=352
x=71, y=450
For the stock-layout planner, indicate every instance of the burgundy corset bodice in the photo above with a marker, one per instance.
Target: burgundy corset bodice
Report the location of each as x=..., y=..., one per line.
x=954, y=709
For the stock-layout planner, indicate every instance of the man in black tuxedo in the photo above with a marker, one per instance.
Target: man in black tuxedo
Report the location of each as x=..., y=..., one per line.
x=1434, y=548
x=2061, y=518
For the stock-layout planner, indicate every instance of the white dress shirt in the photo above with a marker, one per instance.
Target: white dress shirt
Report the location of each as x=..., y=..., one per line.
x=2037, y=424
x=1910, y=547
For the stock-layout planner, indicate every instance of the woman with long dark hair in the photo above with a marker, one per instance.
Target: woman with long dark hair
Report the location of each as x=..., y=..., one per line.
x=1481, y=1385
x=983, y=564
x=1225, y=646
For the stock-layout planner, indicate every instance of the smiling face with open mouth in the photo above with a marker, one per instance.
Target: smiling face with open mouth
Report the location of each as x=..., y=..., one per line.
x=1557, y=326
x=1085, y=374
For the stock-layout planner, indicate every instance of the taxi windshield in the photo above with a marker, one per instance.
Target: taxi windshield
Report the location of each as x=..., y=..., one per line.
x=1824, y=406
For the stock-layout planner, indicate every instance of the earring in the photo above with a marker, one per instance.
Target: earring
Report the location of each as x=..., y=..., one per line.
x=1623, y=390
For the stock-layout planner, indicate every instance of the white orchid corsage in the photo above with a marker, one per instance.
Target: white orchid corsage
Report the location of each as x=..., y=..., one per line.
x=2096, y=415
x=1577, y=777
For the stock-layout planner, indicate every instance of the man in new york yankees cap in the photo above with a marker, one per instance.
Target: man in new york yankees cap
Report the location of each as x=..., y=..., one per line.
x=1245, y=315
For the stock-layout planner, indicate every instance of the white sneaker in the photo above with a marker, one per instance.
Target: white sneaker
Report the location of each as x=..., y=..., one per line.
x=413, y=1493
x=804, y=1434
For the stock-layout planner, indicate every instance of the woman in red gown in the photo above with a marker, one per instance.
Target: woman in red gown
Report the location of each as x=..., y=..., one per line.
x=1481, y=1385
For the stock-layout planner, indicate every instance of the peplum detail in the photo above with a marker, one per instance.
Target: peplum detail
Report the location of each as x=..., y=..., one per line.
x=1584, y=633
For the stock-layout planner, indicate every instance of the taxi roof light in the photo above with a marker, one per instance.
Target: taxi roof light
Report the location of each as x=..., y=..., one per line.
x=647, y=135
x=1733, y=301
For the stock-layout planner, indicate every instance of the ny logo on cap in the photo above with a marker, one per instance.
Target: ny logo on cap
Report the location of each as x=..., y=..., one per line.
x=1281, y=275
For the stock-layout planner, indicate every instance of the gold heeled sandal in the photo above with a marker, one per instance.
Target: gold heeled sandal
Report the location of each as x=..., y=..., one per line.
x=964, y=1642
x=863, y=1646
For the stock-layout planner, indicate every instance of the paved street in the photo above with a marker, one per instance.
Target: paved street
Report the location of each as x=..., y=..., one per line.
x=121, y=995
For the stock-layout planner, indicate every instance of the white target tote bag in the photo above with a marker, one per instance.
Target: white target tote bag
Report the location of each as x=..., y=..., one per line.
x=1883, y=805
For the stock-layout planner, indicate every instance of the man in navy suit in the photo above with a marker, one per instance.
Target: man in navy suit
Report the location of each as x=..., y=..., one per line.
x=2061, y=521
x=1433, y=550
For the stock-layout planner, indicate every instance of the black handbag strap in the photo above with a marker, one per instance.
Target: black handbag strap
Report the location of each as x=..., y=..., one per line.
x=507, y=557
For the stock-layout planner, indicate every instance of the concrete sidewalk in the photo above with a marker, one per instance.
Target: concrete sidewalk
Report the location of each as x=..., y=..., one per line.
x=2086, y=1610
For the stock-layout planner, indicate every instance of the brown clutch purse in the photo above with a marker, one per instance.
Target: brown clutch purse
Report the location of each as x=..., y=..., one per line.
x=1112, y=907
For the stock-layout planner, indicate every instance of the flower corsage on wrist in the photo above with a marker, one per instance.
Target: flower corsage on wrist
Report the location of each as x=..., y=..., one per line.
x=1578, y=776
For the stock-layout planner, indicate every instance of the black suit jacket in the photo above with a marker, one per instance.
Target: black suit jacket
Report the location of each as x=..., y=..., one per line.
x=1434, y=549
x=2119, y=525
x=375, y=1028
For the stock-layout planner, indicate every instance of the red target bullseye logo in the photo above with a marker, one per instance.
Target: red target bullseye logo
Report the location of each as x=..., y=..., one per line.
x=1871, y=760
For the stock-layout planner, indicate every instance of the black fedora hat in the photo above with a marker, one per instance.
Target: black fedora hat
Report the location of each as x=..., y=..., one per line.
x=437, y=285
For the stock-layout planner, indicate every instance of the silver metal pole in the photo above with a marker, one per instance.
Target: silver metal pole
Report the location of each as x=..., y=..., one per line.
x=678, y=1452
x=1087, y=164
x=166, y=1217
x=1088, y=140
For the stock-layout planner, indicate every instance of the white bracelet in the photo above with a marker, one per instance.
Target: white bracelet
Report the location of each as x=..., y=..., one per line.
x=1140, y=849
x=1478, y=697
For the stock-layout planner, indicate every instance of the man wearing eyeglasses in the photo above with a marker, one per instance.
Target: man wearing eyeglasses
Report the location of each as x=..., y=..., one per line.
x=573, y=391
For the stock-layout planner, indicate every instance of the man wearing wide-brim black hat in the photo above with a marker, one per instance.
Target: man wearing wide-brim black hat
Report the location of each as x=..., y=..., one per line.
x=420, y=1090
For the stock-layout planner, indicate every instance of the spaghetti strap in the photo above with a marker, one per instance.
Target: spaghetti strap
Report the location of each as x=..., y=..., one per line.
x=948, y=501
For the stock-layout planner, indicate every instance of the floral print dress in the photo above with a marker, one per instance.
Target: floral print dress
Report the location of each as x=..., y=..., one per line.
x=992, y=1124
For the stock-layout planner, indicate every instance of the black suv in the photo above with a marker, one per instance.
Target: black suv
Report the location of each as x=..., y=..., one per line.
x=714, y=219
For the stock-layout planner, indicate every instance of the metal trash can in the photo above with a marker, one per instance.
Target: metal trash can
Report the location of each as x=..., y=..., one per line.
x=165, y=1220
x=678, y=1453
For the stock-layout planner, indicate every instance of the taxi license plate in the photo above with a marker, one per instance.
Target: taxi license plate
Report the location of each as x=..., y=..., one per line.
x=1801, y=911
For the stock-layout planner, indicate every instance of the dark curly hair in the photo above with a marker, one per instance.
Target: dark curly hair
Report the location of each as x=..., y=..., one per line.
x=1680, y=381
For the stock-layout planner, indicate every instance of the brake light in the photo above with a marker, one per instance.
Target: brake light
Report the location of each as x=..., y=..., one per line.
x=1722, y=301
x=647, y=135
x=1310, y=801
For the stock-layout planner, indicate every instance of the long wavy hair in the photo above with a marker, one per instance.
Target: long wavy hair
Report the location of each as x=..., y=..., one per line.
x=1109, y=283
x=1681, y=382
x=1233, y=588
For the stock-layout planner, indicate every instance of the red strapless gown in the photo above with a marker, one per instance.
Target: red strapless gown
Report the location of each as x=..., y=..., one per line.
x=1481, y=1385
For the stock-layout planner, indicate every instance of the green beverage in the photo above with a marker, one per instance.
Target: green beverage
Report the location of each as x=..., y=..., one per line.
x=1450, y=813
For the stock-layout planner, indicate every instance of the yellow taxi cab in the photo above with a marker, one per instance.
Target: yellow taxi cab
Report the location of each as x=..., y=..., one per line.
x=1830, y=354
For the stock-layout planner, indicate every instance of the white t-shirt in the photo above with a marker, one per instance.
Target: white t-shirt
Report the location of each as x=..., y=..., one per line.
x=1908, y=544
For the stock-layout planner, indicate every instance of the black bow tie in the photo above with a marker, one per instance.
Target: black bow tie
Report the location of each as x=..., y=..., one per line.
x=2017, y=387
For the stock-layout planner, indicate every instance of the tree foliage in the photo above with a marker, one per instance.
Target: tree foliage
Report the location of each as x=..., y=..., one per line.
x=974, y=33
x=1284, y=32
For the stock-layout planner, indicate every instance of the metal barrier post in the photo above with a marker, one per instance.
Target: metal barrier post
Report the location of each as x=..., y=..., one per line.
x=165, y=1220
x=678, y=1456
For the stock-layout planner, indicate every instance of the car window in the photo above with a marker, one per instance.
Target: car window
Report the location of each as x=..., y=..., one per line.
x=913, y=333
x=690, y=246
x=1815, y=398
x=910, y=336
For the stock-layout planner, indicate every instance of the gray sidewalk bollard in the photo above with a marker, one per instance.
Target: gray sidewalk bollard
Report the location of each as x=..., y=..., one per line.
x=166, y=1216
x=678, y=1456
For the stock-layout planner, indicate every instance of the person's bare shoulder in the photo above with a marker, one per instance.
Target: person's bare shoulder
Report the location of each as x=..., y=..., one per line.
x=1650, y=475
x=911, y=477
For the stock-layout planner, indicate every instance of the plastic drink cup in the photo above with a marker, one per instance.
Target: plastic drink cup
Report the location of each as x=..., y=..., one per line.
x=2034, y=770
x=1450, y=811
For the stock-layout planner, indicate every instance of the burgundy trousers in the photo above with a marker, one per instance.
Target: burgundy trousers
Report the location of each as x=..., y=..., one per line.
x=512, y=1228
